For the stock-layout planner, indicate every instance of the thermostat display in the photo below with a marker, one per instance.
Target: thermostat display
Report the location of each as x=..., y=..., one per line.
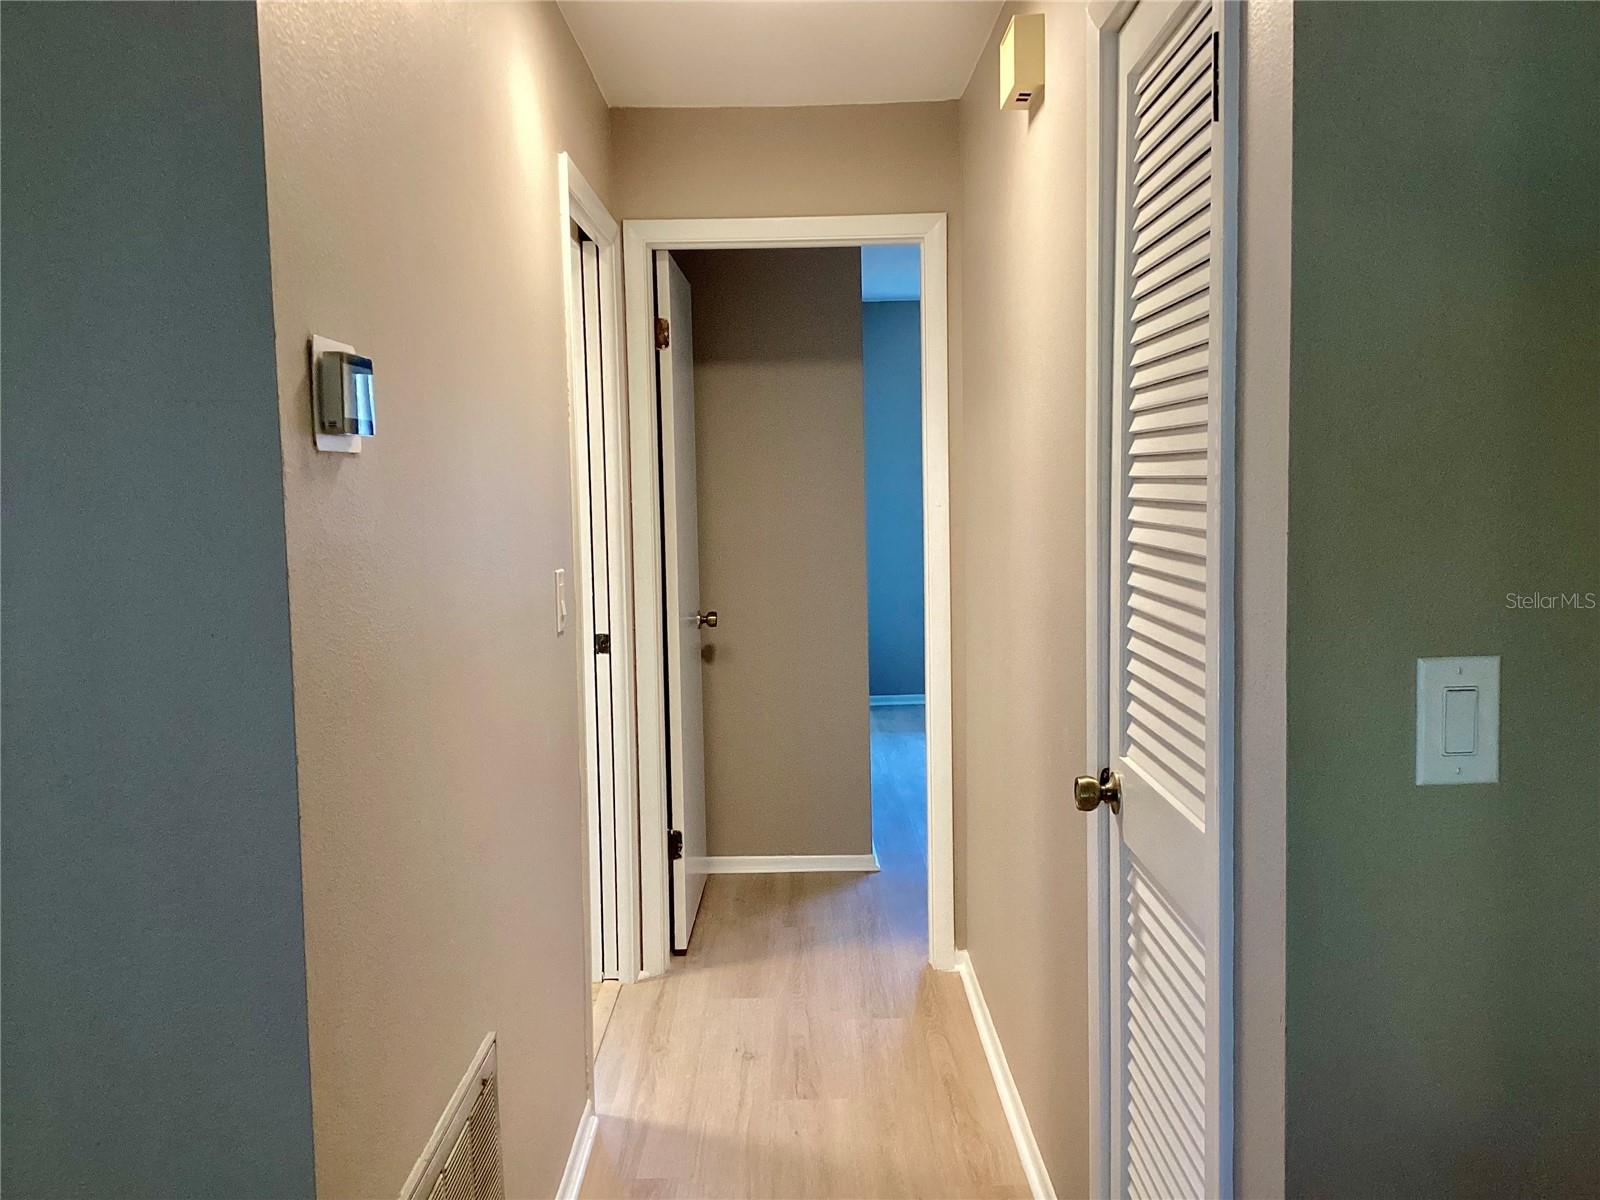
x=346, y=394
x=344, y=407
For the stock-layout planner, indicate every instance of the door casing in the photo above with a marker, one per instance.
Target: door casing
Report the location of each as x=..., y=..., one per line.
x=641, y=239
x=581, y=206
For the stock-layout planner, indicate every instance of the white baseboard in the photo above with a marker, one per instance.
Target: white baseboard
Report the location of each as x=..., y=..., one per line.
x=896, y=701
x=1033, y=1167
x=762, y=864
x=578, y=1159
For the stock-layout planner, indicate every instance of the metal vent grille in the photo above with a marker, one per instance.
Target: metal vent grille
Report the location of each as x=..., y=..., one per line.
x=455, y=1181
x=483, y=1135
x=462, y=1158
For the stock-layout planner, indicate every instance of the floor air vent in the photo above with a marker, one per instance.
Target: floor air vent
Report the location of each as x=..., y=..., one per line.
x=462, y=1158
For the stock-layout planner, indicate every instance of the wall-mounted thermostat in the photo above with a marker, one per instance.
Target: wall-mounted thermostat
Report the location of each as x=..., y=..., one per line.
x=343, y=407
x=1022, y=61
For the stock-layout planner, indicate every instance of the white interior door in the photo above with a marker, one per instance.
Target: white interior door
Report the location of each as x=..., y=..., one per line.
x=594, y=615
x=1171, y=588
x=686, y=805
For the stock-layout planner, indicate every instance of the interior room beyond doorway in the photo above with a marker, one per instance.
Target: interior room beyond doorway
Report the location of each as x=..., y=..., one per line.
x=807, y=448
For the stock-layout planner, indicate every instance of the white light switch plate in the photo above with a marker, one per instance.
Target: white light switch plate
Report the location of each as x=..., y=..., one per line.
x=1458, y=720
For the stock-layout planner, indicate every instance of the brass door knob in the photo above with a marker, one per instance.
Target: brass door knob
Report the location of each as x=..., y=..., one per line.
x=706, y=620
x=1090, y=792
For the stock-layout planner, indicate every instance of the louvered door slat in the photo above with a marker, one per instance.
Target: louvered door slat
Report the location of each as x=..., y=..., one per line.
x=1174, y=171
x=1160, y=273
x=1179, y=190
x=1179, y=414
x=1184, y=287
x=1180, y=146
x=1176, y=391
x=1163, y=250
x=1183, y=42
x=1190, y=88
x=1176, y=316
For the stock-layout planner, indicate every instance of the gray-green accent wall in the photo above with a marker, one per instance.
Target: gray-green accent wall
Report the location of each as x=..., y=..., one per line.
x=154, y=1039
x=1443, y=980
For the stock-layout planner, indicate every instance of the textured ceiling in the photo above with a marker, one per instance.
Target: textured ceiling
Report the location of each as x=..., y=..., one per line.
x=757, y=53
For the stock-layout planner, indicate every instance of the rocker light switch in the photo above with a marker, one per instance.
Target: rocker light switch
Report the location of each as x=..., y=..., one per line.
x=1458, y=720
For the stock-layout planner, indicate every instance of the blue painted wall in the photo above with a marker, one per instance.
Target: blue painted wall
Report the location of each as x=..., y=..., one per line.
x=155, y=1040
x=891, y=351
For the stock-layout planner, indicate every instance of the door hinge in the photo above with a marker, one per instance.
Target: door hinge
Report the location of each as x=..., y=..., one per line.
x=1216, y=76
x=663, y=333
x=602, y=643
x=674, y=844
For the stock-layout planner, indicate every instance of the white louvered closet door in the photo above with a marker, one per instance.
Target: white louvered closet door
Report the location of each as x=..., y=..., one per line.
x=1171, y=595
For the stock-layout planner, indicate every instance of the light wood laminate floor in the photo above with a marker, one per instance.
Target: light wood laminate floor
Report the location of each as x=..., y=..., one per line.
x=803, y=1047
x=603, y=996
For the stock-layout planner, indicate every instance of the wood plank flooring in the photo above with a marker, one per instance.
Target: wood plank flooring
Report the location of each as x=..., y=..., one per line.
x=604, y=997
x=803, y=1047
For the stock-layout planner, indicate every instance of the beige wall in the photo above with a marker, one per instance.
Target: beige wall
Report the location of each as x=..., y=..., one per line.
x=413, y=205
x=766, y=162
x=780, y=449
x=1019, y=515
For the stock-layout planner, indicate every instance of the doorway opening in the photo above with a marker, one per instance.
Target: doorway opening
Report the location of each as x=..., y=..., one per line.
x=789, y=400
x=670, y=617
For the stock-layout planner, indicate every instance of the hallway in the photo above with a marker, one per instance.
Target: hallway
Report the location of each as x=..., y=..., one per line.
x=803, y=1047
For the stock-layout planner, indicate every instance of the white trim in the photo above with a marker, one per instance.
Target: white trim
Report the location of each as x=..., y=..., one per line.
x=1224, y=594
x=580, y=205
x=776, y=864
x=584, y=204
x=588, y=680
x=640, y=240
x=904, y=700
x=1105, y=21
x=1266, y=150
x=578, y=1157
x=1039, y=1185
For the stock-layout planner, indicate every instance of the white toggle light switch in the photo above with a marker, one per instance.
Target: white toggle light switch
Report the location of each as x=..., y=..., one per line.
x=1458, y=720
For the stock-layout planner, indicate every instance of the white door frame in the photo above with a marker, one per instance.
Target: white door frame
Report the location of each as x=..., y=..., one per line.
x=640, y=240
x=1106, y=19
x=581, y=206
